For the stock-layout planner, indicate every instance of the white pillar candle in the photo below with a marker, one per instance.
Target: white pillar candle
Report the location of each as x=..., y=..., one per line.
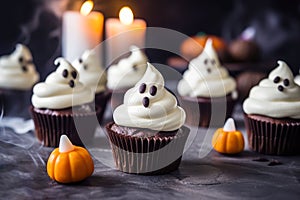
x=81, y=31
x=122, y=33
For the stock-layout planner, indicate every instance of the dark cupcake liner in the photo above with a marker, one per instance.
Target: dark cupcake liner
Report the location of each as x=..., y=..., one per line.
x=101, y=100
x=147, y=156
x=79, y=128
x=273, y=137
x=199, y=110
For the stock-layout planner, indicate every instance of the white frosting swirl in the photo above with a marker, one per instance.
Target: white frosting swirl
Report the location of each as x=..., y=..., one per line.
x=18, y=70
x=297, y=79
x=276, y=96
x=91, y=71
x=205, y=77
x=61, y=89
x=128, y=71
x=162, y=113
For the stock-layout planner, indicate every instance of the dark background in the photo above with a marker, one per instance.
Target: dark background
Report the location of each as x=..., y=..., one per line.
x=277, y=22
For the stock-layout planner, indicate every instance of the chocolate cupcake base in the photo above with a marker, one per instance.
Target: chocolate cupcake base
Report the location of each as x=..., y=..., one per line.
x=205, y=112
x=147, y=155
x=273, y=136
x=77, y=123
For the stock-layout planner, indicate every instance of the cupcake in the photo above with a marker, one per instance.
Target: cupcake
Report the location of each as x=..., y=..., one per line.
x=297, y=79
x=207, y=91
x=272, y=113
x=125, y=74
x=91, y=74
x=147, y=135
x=18, y=75
x=63, y=106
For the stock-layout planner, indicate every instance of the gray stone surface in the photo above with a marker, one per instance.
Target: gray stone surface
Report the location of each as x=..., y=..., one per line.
x=214, y=176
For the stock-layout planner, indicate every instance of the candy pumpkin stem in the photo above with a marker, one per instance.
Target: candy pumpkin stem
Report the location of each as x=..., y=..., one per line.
x=229, y=126
x=65, y=145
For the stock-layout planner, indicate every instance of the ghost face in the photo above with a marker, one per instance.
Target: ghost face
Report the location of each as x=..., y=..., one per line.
x=24, y=63
x=152, y=92
x=282, y=83
x=69, y=74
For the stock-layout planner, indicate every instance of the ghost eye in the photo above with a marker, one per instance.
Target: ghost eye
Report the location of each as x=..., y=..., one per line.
x=280, y=88
x=74, y=74
x=153, y=90
x=21, y=59
x=213, y=62
x=142, y=88
x=286, y=82
x=24, y=69
x=276, y=79
x=65, y=73
x=85, y=67
x=134, y=67
x=80, y=60
x=205, y=61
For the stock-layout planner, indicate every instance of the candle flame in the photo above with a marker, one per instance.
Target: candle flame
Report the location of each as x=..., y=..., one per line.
x=86, y=7
x=126, y=15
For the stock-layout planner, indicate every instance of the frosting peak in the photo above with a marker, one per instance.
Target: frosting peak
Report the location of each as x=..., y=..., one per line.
x=205, y=77
x=91, y=72
x=128, y=71
x=297, y=79
x=18, y=70
x=61, y=88
x=276, y=96
x=149, y=105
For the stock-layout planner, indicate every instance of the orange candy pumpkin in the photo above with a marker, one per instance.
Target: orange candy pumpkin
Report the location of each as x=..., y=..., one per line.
x=69, y=163
x=228, y=140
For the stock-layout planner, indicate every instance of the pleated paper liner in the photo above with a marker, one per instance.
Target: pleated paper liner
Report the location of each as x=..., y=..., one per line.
x=199, y=109
x=273, y=136
x=51, y=124
x=147, y=156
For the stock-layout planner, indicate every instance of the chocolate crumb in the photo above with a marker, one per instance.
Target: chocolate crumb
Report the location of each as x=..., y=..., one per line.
x=153, y=90
x=274, y=162
x=65, y=73
x=146, y=102
x=142, y=88
x=260, y=159
x=85, y=67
